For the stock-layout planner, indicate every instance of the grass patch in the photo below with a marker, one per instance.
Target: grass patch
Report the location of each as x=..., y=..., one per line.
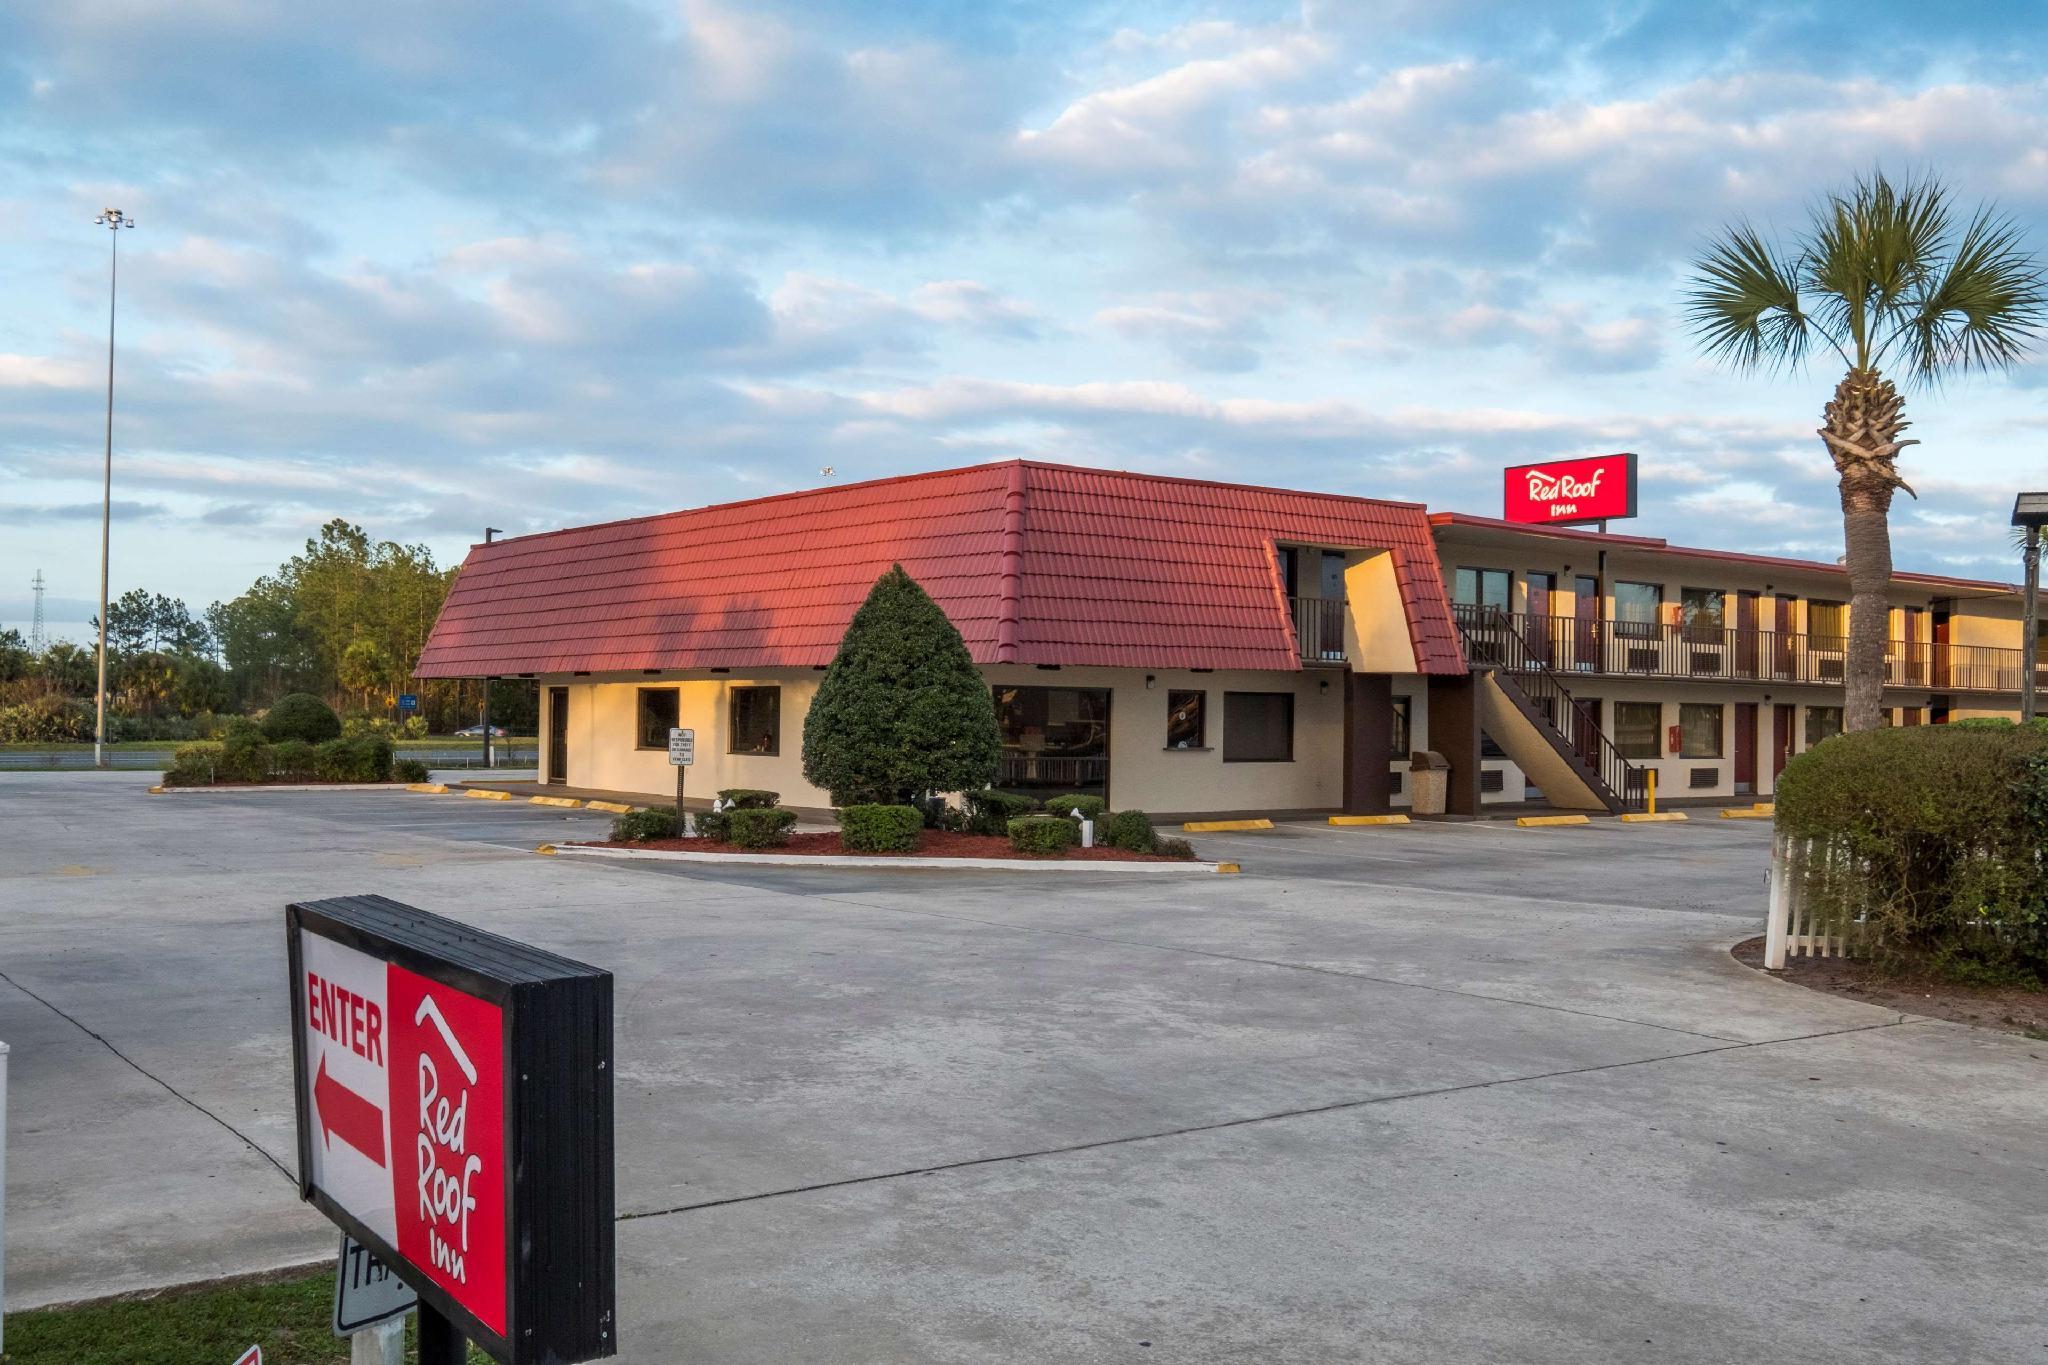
x=207, y=1325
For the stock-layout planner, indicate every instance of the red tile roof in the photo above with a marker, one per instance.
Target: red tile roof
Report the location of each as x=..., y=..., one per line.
x=1035, y=563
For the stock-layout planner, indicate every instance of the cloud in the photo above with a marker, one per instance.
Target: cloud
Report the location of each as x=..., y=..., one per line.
x=21, y=514
x=1218, y=332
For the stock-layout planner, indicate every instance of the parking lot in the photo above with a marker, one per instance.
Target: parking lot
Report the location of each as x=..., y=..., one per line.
x=1435, y=1093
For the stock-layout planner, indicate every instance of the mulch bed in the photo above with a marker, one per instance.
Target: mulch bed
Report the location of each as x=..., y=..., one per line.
x=2013, y=1009
x=935, y=844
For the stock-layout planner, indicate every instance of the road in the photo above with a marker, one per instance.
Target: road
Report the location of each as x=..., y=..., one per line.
x=1442, y=1093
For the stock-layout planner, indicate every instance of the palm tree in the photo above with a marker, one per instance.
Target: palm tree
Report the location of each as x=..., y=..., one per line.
x=1882, y=277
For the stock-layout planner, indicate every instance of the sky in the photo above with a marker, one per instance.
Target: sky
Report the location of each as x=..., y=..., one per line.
x=534, y=263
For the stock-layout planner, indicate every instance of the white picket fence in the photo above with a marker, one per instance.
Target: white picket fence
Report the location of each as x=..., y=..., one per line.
x=1794, y=928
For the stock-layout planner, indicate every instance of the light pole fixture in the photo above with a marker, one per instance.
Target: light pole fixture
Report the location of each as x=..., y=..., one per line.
x=113, y=220
x=2030, y=510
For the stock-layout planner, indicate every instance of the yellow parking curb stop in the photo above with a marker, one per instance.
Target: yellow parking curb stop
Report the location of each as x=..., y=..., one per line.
x=1228, y=867
x=1368, y=819
x=615, y=807
x=1644, y=818
x=1537, y=821
x=1221, y=826
x=1745, y=813
x=547, y=849
x=483, y=795
x=566, y=802
x=431, y=788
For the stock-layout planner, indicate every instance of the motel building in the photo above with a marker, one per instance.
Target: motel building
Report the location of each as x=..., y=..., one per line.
x=1187, y=647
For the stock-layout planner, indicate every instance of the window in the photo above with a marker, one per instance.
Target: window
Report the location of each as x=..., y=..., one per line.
x=756, y=720
x=1258, y=727
x=1822, y=722
x=1637, y=607
x=1827, y=623
x=1635, y=729
x=1699, y=729
x=1185, y=720
x=654, y=717
x=1701, y=612
x=1404, y=718
x=1333, y=576
x=1055, y=739
x=1481, y=588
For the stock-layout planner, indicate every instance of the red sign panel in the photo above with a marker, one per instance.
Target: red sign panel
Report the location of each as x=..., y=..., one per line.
x=1564, y=491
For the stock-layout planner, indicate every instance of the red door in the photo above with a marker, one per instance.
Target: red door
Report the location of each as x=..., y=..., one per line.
x=1745, y=746
x=1940, y=649
x=1746, y=636
x=1781, y=739
x=1781, y=639
x=1586, y=632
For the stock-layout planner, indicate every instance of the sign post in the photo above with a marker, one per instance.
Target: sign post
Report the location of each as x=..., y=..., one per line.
x=682, y=752
x=454, y=1104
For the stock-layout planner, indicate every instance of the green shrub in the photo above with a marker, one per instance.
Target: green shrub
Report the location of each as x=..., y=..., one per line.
x=752, y=827
x=991, y=811
x=1128, y=829
x=244, y=757
x=194, y=765
x=881, y=829
x=749, y=798
x=301, y=715
x=1043, y=834
x=711, y=824
x=292, y=758
x=940, y=813
x=367, y=758
x=413, y=727
x=902, y=710
x=1091, y=807
x=1925, y=840
x=408, y=770
x=637, y=827
x=1174, y=848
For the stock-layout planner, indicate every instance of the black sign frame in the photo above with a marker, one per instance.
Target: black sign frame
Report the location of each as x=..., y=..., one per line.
x=561, y=1291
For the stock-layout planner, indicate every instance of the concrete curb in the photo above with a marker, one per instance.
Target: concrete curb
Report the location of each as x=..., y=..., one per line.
x=876, y=864
x=245, y=788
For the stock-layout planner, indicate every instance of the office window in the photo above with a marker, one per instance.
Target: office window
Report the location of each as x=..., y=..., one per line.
x=756, y=720
x=1638, y=608
x=654, y=716
x=1185, y=720
x=1635, y=729
x=1702, y=612
x=1404, y=717
x=1827, y=621
x=1481, y=588
x=1822, y=722
x=1699, y=729
x=1258, y=727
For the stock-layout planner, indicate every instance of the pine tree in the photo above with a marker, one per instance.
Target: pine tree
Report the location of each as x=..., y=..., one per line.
x=902, y=711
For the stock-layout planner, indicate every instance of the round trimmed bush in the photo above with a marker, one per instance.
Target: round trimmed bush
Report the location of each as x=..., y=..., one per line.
x=638, y=826
x=754, y=828
x=881, y=829
x=1091, y=807
x=301, y=715
x=1130, y=830
x=1043, y=835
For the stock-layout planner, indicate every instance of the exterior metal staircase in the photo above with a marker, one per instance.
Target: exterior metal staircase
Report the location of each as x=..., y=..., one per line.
x=1576, y=747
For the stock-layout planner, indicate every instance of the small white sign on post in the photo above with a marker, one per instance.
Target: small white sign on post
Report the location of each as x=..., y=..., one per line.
x=682, y=747
x=365, y=1290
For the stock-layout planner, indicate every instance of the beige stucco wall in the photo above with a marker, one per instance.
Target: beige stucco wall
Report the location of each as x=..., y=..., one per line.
x=1144, y=774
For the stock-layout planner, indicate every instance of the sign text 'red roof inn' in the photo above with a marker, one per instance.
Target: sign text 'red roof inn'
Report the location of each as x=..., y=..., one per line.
x=1559, y=492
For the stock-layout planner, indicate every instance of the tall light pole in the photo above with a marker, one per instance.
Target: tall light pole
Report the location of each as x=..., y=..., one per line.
x=113, y=220
x=2030, y=510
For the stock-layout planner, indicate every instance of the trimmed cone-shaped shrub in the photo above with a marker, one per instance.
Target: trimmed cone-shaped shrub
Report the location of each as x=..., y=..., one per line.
x=301, y=715
x=902, y=710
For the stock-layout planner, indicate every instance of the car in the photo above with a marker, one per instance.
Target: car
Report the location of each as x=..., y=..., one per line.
x=477, y=732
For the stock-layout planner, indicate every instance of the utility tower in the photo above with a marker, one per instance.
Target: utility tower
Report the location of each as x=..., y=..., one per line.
x=38, y=638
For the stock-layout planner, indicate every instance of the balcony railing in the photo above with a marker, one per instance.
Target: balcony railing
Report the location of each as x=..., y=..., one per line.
x=1644, y=649
x=1319, y=629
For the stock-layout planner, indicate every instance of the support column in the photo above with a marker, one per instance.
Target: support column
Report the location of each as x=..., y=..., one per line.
x=1368, y=741
x=1454, y=733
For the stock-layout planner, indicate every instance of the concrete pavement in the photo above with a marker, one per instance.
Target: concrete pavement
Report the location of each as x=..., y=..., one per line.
x=1439, y=1093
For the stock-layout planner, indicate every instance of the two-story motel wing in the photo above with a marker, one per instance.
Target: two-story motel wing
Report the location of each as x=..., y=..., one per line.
x=1186, y=646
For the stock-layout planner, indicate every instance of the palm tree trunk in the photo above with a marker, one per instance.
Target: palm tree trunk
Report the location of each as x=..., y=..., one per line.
x=1861, y=429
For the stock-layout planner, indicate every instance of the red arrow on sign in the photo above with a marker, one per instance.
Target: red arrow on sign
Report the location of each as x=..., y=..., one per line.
x=346, y=1115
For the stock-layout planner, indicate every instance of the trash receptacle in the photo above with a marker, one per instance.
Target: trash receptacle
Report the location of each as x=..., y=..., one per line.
x=1429, y=780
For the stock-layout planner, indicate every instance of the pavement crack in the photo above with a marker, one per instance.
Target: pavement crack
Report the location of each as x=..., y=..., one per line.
x=151, y=1076
x=1224, y=1125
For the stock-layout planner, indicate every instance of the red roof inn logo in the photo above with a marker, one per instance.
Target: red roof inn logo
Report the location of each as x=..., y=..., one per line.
x=1565, y=491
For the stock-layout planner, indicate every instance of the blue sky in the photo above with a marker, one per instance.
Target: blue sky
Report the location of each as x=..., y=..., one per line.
x=538, y=262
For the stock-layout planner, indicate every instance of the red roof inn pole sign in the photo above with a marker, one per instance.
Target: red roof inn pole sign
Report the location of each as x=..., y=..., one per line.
x=1565, y=491
x=454, y=1105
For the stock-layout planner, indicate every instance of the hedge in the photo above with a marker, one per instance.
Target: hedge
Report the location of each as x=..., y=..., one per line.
x=301, y=715
x=1128, y=829
x=751, y=827
x=1091, y=807
x=991, y=811
x=749, y=798
x=1044, y=834
x=1174, y=848
x=408, y=770
x=1926, y=841
x=710, y=824
x=881, y=829
x=244, y=757
x=638, y=826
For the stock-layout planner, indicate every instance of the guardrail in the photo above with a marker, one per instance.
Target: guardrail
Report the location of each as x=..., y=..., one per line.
x=1647, y=649
x=1319, y=629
